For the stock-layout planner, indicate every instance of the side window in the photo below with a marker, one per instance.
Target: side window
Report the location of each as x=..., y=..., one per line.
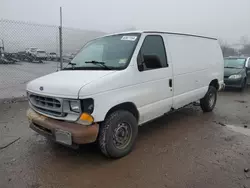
x=248, y=63
x=152, y=54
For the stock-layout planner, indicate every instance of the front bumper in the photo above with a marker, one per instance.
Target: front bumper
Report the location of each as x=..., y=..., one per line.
x=81, y=134
x=237, y=83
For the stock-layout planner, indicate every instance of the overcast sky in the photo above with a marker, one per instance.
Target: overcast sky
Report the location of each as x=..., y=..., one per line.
x=226, y=19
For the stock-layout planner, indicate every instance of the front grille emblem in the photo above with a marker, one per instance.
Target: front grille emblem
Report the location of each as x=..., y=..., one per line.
x=41, y=88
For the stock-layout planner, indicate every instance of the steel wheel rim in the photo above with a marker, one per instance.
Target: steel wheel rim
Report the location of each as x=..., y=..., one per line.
x=122, y=135
x=211, y=99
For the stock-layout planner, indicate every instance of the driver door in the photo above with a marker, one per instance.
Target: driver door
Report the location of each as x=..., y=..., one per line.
x=155, y=75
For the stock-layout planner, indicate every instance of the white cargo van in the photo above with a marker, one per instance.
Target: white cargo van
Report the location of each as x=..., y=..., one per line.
x=120, y=81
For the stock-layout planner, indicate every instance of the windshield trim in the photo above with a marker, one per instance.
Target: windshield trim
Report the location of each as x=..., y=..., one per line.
x=129, y=58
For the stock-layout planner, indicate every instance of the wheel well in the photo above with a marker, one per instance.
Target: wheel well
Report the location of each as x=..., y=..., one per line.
x=214, y=83
x=128, y=106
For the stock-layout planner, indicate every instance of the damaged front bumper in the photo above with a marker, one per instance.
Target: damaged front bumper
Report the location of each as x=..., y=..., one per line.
x=67, y=133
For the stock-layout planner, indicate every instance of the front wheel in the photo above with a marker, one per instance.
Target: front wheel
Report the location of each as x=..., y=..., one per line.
x=209, y=100
x=118, y=134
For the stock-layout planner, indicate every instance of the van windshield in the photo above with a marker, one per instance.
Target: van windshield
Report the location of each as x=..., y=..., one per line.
x=107, y=53
x=237, y=63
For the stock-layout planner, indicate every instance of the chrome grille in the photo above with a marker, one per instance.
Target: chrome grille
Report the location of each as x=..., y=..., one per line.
x=47, y=105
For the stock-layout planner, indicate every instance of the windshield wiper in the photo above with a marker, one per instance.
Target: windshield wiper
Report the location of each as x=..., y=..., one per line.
x=72, y=65
x=99, y=63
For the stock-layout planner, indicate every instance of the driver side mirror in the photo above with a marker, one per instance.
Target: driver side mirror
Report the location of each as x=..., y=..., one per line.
x=152, y=61
x=148, y=62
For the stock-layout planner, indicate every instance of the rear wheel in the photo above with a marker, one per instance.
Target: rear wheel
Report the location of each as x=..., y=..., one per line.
x=117, y=134
x=208, y=102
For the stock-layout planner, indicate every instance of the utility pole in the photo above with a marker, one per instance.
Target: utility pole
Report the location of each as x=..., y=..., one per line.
x=60, y=40
x=2, y=49
x=3, y=44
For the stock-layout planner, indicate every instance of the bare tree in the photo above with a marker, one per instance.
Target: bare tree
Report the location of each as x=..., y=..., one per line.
x=244, y=40
x=245, y=50
x=227, y=50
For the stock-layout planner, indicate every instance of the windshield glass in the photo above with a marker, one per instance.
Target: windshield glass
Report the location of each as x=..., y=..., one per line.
x=237, y=63
x=113, y=52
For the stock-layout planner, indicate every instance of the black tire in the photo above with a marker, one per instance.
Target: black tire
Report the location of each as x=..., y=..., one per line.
x=209, y=101
x=108, y=137
x=243, y=85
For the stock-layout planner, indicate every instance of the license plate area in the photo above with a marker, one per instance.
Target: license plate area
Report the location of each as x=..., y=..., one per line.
x=63, y=137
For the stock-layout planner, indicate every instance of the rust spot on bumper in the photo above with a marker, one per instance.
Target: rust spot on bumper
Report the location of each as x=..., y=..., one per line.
x=81, y=134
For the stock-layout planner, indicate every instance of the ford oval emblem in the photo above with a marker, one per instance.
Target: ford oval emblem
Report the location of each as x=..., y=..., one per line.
x=41, y=88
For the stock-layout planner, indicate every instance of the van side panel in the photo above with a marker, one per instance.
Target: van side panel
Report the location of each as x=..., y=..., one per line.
x=148, y=93
x=196, y=62
x=193, y=63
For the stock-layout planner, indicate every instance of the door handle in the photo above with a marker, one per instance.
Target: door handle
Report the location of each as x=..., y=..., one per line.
x=170, y=83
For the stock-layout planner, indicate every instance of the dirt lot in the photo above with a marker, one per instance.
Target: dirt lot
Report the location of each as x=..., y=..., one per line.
x=183, y=149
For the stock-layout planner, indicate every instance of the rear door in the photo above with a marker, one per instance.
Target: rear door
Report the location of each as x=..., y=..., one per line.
x=155, y=73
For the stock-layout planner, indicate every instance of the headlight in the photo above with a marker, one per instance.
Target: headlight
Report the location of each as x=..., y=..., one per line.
x=75, y=106
x=237, y=76
x=78, y=106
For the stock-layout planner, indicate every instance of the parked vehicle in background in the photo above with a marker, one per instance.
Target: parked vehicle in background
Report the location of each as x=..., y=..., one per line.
x=31, y=50
x=12, y=57
x=72, y=55
x=40, y=55
x=118, y=82
x=52, y=56
x=36, y=55
x=237, y=72
x=8, y=58
x=24, y=56
x=67, y=58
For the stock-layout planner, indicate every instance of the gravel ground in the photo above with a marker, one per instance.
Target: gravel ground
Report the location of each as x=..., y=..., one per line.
x=185, y=149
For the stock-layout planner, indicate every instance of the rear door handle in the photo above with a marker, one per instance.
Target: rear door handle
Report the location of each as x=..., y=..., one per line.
x=170, y=83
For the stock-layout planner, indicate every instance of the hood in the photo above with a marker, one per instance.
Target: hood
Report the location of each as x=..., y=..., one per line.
x=231, y=71
x=65, y=84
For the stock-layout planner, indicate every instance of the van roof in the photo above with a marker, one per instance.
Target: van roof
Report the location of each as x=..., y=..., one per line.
x=162, y=32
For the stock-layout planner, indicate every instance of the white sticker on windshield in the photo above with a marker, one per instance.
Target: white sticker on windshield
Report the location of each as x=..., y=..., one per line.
x=131, y=38
x=122, y=61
